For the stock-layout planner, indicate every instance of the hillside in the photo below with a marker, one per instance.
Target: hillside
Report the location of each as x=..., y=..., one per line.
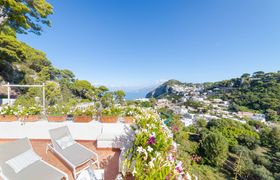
x=257, y=92
x=170, y=89
x=22, y=64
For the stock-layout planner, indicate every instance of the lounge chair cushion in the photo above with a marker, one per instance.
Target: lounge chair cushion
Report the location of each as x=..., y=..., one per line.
x=36, y=171
x=23, y=160
x=65, y=141
x=77, y=154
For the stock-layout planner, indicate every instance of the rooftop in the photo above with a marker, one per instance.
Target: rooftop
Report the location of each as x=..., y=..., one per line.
x=109, y=158
x=88, y=134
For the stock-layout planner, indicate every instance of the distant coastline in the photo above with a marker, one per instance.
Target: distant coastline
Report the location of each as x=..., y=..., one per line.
x=135, y=95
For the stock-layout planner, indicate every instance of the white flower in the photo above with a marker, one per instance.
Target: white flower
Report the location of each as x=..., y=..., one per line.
x=144, y=130
x=146, y=154
x=157, y=154
x=150, y=149
x=151, y=164
x=134, y=171
x=140, y=149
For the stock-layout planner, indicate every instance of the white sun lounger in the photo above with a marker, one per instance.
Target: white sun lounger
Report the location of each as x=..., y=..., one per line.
x=74, y=155
x=18, y=161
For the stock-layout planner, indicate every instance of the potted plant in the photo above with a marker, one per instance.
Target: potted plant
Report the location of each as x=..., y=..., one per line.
x=129, y=113
x=31, y=114
x=83, y=115
x=57, y=113
x=8, y=113
x=110, y=115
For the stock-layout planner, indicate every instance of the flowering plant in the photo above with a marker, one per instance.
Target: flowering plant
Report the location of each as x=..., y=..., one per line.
x=9, y=110
x=58, y=110
x=131, y=111
x=150, y=151
x=88, y=111
x=32, y=110
x=113, y=111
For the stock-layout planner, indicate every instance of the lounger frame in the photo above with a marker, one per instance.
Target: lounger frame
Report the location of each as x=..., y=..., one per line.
x=65, y=175
x=72, y=166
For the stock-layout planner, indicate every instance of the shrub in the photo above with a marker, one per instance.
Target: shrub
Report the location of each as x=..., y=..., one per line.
x=149, y=152
x=58, y=110
x=260, y=172
x=274, y=136
x=32, y=110
x=264, y=137
x=9, y=110
x=89, y=111
x=131, y=111
x=113, y=111
x=201, y=123
x=215, y=149
x=235, y=132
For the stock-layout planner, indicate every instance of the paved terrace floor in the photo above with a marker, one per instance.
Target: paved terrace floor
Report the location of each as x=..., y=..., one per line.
x=84, y=133
x=109, y=158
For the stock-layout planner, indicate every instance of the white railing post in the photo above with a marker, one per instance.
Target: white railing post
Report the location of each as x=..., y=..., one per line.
x=9, y=93
x=44, y=99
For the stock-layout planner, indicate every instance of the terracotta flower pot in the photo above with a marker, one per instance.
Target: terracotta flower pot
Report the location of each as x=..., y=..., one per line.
x=128, y=119
x=109, y=119
x=31, y=118
x=57, y=118
x=8, y=118
x=82, y=119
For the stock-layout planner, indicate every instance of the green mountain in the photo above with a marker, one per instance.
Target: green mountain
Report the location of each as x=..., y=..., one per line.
x=259, y=91
x=22, y=64
x=164, y=89
x=168, y=89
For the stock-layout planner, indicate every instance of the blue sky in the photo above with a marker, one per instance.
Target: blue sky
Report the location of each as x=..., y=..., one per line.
x=134, y=43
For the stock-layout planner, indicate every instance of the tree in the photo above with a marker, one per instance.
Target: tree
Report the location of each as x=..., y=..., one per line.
x=260, y=172
x=265, y=136
x=275, y=138
x=83, y=89
x=258, y=74
x=44, y=75
x=119, y=96
x=246, y=75
x=67, y=74
x=107, y=100
x=25, y=15
x=201, y=123
x=215, y=149
x=272, y=115
x=53, y=92
x=101, y=90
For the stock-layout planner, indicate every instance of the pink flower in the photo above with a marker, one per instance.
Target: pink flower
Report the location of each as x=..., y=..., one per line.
x=179, y=168
x=175, y=129
x=173, y=147
x=152, y=140
x=171, y=157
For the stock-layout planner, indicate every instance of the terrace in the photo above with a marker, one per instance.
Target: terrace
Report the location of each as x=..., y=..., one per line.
x=87, y=134
x=149, y=147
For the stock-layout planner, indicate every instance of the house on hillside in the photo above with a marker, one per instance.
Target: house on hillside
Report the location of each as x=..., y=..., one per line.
x=253, y=116
x=259, y=117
